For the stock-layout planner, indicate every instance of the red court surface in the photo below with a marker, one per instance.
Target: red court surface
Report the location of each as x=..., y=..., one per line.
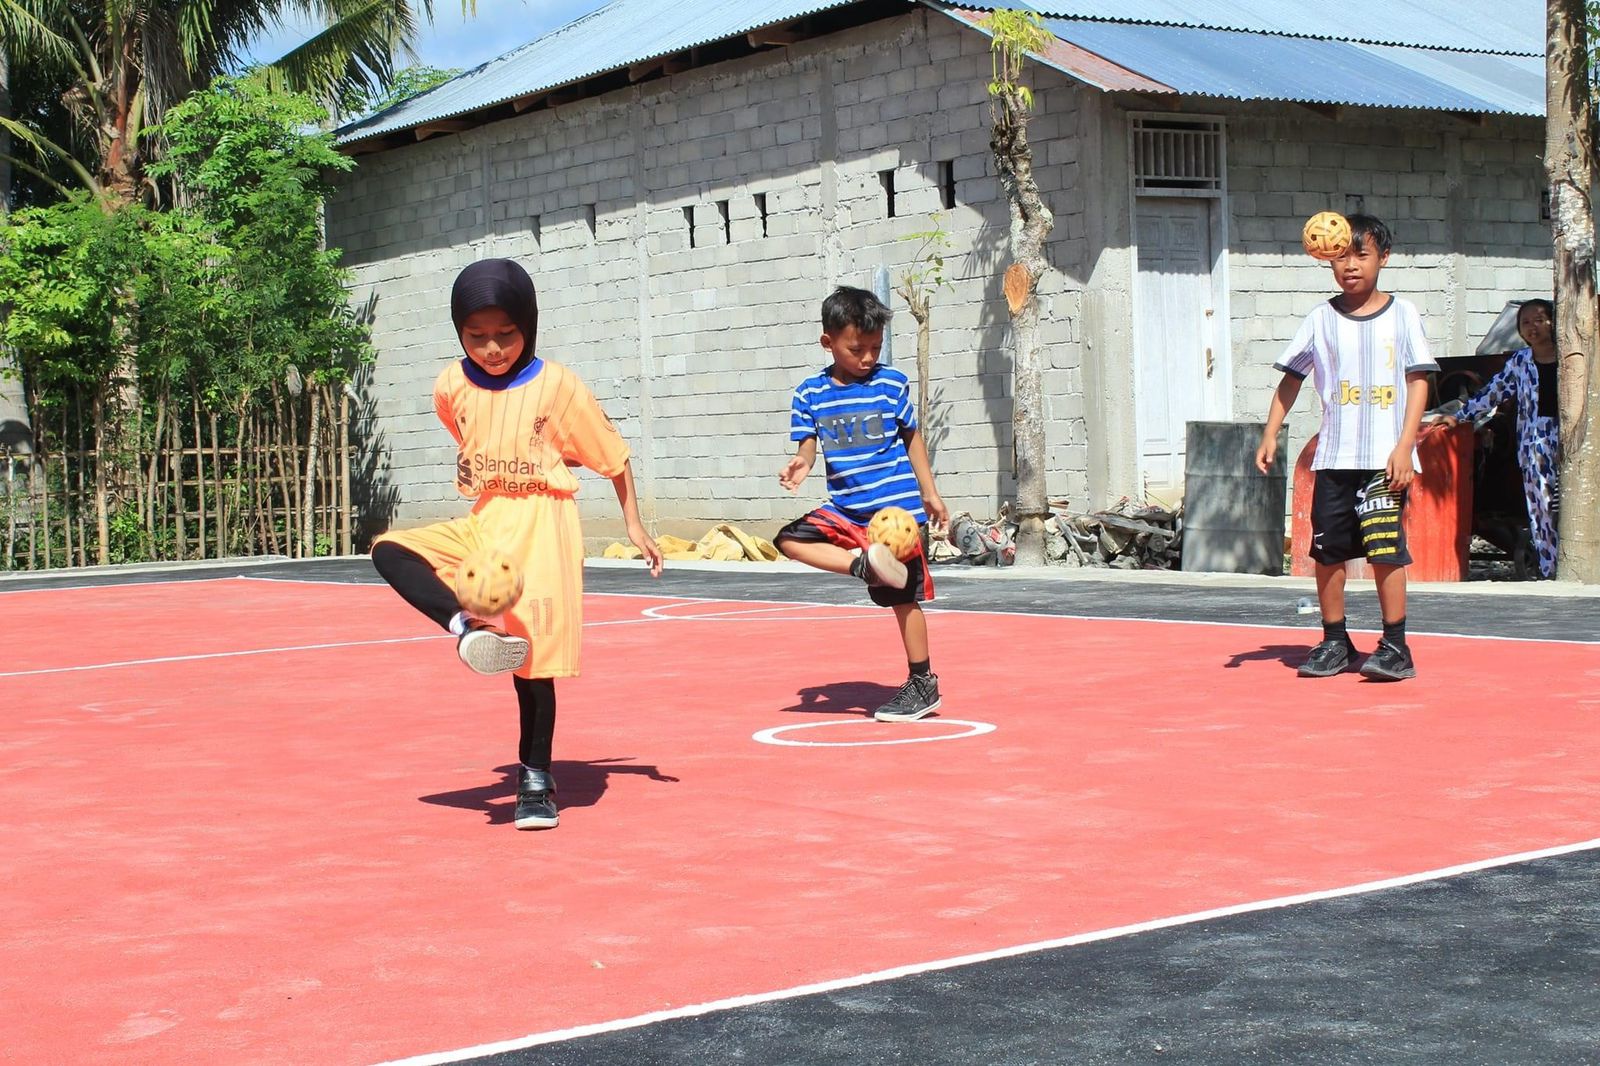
x=305, y=856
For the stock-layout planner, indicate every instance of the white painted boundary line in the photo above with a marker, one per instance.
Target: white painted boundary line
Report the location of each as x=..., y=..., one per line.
x=933, y=608
x=216, y=655
x=441, y=1058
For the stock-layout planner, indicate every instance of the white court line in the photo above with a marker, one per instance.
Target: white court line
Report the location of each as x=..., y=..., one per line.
x=775, y=734
x=217, y=655
x=931, y=608
x=440, y=1058
x=741, y=614
x=935, y=608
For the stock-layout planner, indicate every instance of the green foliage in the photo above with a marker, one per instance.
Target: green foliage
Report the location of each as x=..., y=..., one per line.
x=221, y=299
x=926, y=274
x=61, y=268
x=409, y=82
x=251, y=166
x=1013, y=35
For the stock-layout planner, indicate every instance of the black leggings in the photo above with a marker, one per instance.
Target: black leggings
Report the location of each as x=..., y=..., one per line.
x=415, y=581
x=412, y=577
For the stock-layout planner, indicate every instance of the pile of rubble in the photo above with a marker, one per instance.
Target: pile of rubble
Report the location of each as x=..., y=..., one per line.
x=1128, y=536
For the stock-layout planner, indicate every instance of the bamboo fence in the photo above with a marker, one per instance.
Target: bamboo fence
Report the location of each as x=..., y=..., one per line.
x=224, y=484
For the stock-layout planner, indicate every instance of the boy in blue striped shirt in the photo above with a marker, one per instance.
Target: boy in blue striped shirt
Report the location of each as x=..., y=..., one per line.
x=875, y=457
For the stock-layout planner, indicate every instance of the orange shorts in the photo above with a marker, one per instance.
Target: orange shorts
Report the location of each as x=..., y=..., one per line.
x=542, y=533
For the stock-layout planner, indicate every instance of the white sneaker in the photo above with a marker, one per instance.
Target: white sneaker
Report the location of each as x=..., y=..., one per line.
x=490, y=650
x=882, y=568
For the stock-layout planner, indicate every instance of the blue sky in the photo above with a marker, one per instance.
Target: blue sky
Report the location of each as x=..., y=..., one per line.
x=454, y=41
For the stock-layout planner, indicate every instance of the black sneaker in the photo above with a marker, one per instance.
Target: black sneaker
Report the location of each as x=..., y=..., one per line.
x=878, y=566
x=917, y=698
x=1389, y=662
x=490, y=650
x=1329, y=658
x=536, y=800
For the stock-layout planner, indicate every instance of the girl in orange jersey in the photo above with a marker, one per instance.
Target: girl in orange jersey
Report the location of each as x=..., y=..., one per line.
x=519, y=422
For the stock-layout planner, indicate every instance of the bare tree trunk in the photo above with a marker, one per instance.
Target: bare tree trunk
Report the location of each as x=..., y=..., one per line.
x=102, y=485
x=1569, y=160
x=179, y=500
x=308, y=528
x=1031, y=222
x=283, y=466
x=148, y=496
x=81, y=494
x=221, y=526
x=199, y=476
x=291, y=475
x=345, y=542
x=236, y=507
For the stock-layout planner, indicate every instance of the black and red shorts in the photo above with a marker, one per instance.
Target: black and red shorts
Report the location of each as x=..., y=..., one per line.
x=1354, y=513
x=827, y=525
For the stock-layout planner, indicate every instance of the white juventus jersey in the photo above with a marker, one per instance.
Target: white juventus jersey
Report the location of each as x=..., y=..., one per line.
x=1359, y=367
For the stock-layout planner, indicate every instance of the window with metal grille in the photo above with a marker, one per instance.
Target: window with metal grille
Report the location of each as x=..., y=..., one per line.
x=1177, y=155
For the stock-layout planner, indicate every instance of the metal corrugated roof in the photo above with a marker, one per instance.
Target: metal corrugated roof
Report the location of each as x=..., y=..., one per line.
x=1487, y=55
x=1516, y=26
x=1254, y=66
x=618, y=35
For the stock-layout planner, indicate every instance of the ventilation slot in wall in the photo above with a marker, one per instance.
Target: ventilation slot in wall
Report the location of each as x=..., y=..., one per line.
x=1177, y=155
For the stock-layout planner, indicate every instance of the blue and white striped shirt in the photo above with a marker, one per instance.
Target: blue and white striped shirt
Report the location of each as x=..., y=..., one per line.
x=858, y=427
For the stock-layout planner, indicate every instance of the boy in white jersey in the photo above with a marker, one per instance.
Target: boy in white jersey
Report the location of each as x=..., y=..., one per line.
x=876, y=458
x=1370, y=361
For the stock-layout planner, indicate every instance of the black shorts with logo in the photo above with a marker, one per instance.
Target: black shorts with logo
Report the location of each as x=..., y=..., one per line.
x=1355, y=514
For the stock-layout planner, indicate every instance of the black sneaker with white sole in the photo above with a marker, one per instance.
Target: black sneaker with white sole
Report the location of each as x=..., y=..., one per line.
x=1329, y=658
x=917, y=698
x=491, y=650
x=536, y=800
x=1389, y=662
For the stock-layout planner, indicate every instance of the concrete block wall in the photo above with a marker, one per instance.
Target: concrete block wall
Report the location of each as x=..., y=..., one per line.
x=683, y=234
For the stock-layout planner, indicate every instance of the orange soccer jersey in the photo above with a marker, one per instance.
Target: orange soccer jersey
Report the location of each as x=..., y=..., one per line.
x=514, y=447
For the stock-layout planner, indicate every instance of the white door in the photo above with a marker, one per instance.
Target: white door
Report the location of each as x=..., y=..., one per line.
x=1180, y=375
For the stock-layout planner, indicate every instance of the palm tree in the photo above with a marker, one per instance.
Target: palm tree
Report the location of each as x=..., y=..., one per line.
x=124, y=62
x=111, y=68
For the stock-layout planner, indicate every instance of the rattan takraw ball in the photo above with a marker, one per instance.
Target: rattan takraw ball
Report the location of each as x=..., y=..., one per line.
x=488, y=582
x=1326, y=235
x=895, y=529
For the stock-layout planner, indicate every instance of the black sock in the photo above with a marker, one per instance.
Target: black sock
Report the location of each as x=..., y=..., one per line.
x=858, y=566
x=536, y=702
x=1335, y=631
x=415, y=581
x=1395, y=632
x=920, y=669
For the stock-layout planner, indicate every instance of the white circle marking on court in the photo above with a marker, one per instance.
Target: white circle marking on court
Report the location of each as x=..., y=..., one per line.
x=772, y=736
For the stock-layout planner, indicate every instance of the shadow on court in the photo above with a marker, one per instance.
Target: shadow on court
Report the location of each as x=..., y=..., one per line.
x=841, y=697
x=1290, y=655
x=579, y=784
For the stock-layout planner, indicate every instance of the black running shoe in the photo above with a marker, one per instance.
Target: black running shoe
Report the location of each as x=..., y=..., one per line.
x=917, y=698
x=878, y=566
x=1389, y=662
x=536, y=800
x=1329, y=658
x=491, y=650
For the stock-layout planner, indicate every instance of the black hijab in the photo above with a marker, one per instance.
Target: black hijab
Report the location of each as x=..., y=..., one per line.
x=498, y=283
